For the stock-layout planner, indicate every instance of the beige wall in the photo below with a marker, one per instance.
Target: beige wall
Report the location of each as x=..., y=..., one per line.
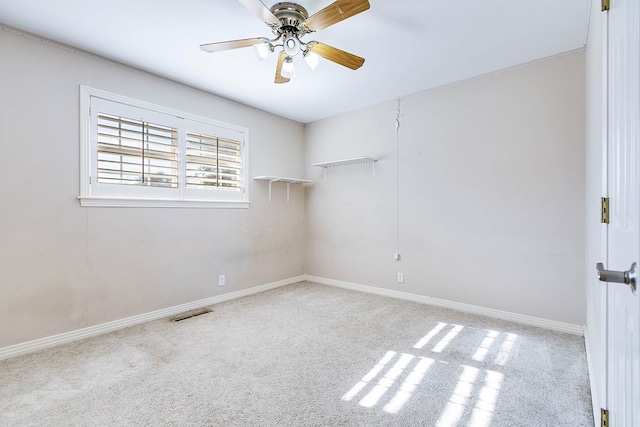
x=490, y=183
x=64, y=267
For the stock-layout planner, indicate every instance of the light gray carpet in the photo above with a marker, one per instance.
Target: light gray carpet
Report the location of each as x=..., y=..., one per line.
x=306, y=355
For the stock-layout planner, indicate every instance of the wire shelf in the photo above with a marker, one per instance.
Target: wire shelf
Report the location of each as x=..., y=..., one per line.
x=347, y=162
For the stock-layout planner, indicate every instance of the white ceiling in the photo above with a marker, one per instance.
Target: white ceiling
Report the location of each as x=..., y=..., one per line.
x=409, y=45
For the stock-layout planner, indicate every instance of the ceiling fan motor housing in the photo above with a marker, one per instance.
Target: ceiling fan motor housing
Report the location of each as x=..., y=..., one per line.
x=290, y=15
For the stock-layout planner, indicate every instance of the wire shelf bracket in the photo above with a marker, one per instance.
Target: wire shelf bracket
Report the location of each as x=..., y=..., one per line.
x=288, y=181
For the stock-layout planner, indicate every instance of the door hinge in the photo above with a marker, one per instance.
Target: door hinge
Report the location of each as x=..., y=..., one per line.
x=604, y=210
x=605, y=5
x=604, y=418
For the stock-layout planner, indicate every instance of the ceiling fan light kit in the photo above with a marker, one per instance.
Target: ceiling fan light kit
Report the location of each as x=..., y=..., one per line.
x=287, y=68
x=291, y=45
x=290, y=22
x=263, y=49
x=312, y=59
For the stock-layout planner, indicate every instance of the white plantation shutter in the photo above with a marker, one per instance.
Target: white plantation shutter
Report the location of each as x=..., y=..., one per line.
x=139, y=154
x=136, y=152
x=229, y=160
x=213, y=161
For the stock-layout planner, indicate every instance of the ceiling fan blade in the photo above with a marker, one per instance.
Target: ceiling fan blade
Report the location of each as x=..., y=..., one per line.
x=261, y=11
x=334, y=13
x=231, y=44
x=279, y=79
x=336, y=55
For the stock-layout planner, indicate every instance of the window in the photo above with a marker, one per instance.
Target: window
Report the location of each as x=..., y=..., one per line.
x=134, y=152
x=138, y=154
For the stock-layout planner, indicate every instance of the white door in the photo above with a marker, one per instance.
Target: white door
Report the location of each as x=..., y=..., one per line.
x=623, y=376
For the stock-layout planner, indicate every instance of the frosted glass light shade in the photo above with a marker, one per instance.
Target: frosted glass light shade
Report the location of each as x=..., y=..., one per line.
x=287, y=68
x=263, y=50
x=312, y=59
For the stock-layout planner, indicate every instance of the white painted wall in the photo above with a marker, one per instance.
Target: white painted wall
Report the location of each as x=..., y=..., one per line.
x=64, y=267
x=491, y=193
x=596, y=299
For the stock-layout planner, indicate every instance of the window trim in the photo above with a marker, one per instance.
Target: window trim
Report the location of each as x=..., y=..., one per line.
x=86, y=153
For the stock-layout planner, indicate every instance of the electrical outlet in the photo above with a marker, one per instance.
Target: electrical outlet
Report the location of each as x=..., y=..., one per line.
x=400, y=277
x=221, y=280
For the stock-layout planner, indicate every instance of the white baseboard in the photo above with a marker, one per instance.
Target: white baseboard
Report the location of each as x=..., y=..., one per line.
x=595, y=398
x=66, y=337
x=468, y=308
x=78, y=334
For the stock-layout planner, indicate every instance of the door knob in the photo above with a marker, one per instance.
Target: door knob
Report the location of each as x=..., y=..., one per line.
x=627, y=277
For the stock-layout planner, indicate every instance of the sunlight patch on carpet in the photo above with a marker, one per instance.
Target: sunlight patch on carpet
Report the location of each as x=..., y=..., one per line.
x=386, y=382
x=506, y=349
x=425, y=340
x=458, y=401
x=370, y=376
x=409, y=385
x=487, y=398
x=444, y=342
x=397, y=376
x=487, y=342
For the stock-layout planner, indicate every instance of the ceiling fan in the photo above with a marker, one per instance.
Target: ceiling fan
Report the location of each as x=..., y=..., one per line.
x=290, y=22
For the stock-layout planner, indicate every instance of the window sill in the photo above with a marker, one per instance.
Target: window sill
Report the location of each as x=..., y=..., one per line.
x=121, y=202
